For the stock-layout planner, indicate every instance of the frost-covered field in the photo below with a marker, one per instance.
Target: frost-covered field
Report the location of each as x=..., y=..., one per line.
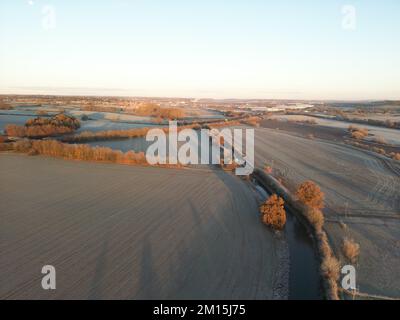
x=391, y=136
x=115, y=231
x=362, y=191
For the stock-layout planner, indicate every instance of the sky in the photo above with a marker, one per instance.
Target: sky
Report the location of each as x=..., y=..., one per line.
x=287, y=49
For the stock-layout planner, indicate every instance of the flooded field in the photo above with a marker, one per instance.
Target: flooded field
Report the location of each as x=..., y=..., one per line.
x=13, y=119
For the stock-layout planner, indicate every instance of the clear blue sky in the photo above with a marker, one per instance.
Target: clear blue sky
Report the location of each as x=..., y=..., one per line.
x=207, y=48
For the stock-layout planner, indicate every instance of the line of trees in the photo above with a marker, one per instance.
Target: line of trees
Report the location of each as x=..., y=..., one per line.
x=228, y=123
x=13, y=130
x=107, y=135
x=54, y=148
x=101, y=108
x=153, y=110
x=310, y=195
x=5, y=106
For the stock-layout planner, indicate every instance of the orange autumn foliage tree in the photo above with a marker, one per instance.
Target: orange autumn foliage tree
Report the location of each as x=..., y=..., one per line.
x=311, y=195
x=273, y=212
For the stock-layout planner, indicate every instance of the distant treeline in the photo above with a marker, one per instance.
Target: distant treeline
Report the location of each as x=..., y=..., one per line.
x=153, y=110
x=146, y=109
x=372, y=104
x=94, y=108
x=44, y=127
x=5, y=106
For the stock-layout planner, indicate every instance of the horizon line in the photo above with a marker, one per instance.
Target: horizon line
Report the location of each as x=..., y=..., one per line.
x=193, y=98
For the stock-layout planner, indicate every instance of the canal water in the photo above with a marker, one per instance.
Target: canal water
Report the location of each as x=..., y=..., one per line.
x=304, y=279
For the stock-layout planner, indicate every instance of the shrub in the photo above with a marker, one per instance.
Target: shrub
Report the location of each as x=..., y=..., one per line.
x=323, y=245
x=396, y=156
x=358, y=133
x=311, y=195
x=273, y=212
x=331, y=268
x=343, y=225
x=268, y=169
x=379, y=150
x=390, y=124
x=380, y=140
x=6, y=147
x=351, y=249
x=13, y=130
x=22, y=146
x=316, y=218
